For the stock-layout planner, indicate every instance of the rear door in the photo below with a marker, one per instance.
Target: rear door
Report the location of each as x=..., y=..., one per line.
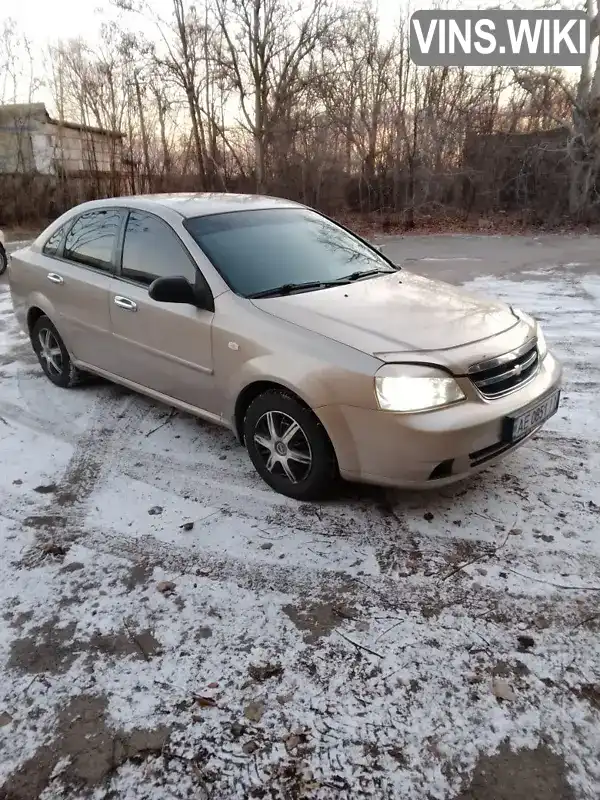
x=78, y=267
x=166, y=347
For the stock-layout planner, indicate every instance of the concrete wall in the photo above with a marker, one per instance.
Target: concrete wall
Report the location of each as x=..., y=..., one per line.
x=85, y=151
x=481, y=150
x=32, y=143
x=16, y=154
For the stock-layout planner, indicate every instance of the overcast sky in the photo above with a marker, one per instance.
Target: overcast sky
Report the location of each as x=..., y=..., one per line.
x=51, y=19
x=47, y=21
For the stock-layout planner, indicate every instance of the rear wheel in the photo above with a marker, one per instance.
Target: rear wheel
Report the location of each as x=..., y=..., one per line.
x=3, y=260
x=289, y=447
x=53, y=355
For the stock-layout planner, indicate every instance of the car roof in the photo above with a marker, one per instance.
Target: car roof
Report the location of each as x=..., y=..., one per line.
x=196, y=204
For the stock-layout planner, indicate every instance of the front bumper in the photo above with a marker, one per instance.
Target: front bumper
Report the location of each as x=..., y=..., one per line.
x=430, y=448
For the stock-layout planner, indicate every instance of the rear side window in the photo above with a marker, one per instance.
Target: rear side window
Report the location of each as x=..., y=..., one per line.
x=152, y=250
x=92, y=238
x=54, y=243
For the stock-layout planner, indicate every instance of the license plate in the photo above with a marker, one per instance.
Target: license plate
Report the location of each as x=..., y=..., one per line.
x=519, y=425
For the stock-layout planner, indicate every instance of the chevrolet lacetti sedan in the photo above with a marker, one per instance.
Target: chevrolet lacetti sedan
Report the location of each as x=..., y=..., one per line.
x=263, y=315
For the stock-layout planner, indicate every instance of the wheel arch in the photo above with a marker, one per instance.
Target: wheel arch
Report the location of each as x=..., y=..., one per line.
x=251, y=391
x=38, y=305
x=33, y=315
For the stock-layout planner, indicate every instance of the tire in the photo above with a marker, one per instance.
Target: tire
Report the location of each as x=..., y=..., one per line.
x=56, y=363
x=308, y=456
x=3, y=260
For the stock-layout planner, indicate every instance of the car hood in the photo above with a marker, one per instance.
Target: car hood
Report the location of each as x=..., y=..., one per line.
x=391, y=316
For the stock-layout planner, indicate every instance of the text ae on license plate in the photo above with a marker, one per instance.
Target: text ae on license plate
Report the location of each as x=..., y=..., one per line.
x=519, y=425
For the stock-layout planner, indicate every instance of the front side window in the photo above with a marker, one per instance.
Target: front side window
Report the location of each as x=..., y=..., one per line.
x=258, y=251
x=92, y=238
x=151, y=250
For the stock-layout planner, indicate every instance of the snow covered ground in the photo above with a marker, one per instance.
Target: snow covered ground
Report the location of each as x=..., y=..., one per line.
x=381, y=645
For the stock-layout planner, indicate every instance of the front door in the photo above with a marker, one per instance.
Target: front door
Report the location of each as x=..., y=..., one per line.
x=162, y=346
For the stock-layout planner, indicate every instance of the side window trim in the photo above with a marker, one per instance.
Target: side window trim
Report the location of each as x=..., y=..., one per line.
x=119, y=264
x=111, y=271
x=67, y=228
x=125, y=214
x=115, y=250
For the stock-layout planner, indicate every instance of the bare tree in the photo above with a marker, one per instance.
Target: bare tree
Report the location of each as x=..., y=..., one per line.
x=264, y=52
x=18, y=80
x=315, y=102
x=579, y=109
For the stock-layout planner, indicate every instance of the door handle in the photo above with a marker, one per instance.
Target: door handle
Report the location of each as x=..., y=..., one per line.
x=52, y=276
x=125, y=302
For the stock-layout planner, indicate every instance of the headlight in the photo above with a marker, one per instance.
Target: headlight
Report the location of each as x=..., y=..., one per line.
x=407, y=387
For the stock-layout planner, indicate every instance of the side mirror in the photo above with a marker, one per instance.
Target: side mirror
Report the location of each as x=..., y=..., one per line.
x=175, y=290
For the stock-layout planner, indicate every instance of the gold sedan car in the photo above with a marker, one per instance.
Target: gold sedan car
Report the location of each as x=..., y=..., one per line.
x=262, y=315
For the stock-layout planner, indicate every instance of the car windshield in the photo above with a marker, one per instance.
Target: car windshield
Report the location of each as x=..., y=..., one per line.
x=275, y=251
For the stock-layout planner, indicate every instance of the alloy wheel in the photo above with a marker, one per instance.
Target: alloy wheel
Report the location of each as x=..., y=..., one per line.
x=50, y=352
x=283, y=446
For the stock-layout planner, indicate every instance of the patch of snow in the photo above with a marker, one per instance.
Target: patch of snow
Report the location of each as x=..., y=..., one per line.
x=123, y=508
x=14, y=244
x=23, y=469
x=450, y=258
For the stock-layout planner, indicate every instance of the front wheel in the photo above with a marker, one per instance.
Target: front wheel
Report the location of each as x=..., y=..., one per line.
x=289, y=446
x=3, y=260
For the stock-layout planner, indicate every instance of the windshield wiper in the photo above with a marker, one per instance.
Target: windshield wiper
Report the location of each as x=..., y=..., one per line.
x=288, y=288
x=368, y=273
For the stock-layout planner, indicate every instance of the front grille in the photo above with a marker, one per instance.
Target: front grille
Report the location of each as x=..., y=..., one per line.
x=508, y=372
